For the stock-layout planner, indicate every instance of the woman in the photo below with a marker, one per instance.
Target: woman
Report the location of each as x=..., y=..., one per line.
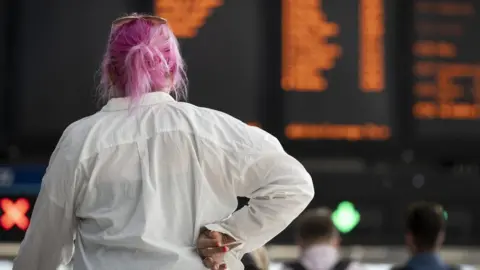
x=136, y=183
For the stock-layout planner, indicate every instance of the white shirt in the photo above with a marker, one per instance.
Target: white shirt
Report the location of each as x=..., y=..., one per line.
x=134, y=184
x=323, y=257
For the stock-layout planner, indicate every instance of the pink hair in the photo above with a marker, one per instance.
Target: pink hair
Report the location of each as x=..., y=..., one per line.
x=142, y=57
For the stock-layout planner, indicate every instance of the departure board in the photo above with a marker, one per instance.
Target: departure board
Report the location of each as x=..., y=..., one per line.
x=446, y=70
x=335, y=71
x=223, y=52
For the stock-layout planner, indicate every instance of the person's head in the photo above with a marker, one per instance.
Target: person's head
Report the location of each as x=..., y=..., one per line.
x=256, y=260
x=142, y=56
x=316, y=227
x=425, y=227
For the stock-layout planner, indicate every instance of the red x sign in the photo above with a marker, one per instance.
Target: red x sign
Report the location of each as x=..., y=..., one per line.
x=14, y=213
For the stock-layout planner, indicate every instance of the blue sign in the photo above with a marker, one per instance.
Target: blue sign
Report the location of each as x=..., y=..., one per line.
x=21, y=179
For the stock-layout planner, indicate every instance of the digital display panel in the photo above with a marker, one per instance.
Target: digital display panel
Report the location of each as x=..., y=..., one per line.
x=446, y=70
x=3, y=75
x=335, y=72
x=19, y=187
x=15, y=214
x=223, y=51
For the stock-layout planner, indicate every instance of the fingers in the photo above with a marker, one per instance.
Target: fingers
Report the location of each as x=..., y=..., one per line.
x=208, y=252
x=210, y=247
x=216, y=236
x=206, y=242
x=209, y=239
x=223, y=239
x=210, y=264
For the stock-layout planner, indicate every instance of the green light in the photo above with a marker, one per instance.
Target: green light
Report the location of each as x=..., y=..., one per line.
x=345, y=217
x=445, y=215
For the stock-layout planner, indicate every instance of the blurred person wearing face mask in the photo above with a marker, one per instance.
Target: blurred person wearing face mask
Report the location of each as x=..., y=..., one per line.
x=152, y=183
x=319, y=243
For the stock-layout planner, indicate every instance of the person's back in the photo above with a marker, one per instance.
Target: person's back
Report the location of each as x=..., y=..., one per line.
x=138, y=181
x=426, y=262
x=425, y=225
x=143, y=160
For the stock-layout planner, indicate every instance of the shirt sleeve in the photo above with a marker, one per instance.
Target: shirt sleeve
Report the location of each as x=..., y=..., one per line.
x=49, y=241
x=279, y=189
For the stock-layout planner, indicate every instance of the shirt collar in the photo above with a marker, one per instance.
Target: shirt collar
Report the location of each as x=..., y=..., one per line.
x=119, y=104
x=431, y=258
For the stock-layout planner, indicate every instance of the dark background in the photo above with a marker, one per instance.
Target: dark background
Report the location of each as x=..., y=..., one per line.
x=50, y=52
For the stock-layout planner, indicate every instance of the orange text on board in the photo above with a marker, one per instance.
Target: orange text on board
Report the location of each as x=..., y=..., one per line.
x=451, y=111
x=306, y=54
x=185, y=17
x=327, y=131
x=372, y=47
x=446, y=95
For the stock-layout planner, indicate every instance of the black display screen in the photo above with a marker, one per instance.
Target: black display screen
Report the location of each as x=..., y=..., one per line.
x=336, y=72
x=224, y=50
x=446, y=70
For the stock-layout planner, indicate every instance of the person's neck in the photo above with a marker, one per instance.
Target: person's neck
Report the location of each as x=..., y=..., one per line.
x=425, y=251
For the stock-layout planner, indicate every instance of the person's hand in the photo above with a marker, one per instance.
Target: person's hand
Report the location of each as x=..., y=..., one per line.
x=211, y=250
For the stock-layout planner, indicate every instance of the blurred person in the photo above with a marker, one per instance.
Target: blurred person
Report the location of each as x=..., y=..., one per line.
x=151, y=183
x=319, y=243
x=425, y=233
x=260, y=255
x=256, y=260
